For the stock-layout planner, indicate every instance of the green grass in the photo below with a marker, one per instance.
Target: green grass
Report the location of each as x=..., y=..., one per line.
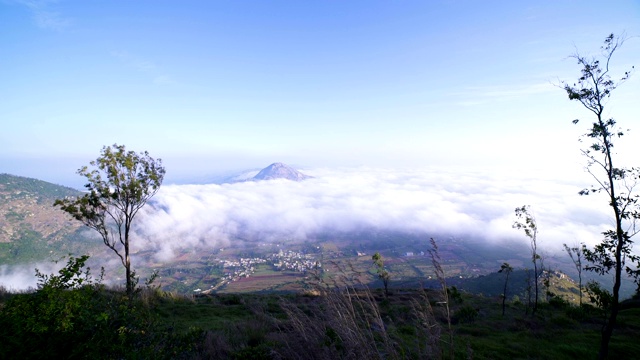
x=206, y=313
x=255, y=325
x=550, y=334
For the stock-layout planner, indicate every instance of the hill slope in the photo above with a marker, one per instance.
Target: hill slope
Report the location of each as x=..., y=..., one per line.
x=31, y=228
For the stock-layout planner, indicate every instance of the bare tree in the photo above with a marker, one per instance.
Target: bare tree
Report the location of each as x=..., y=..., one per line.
x=506, y=269
x=527, y=222
x=593, y=90
x=576, y=255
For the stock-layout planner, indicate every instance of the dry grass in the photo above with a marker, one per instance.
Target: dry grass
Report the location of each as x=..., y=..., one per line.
x=348, y=326
x=346, y=320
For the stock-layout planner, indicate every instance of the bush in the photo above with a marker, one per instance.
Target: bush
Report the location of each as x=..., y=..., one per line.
x=72, y=316
x=465, y=314
x=559, y=303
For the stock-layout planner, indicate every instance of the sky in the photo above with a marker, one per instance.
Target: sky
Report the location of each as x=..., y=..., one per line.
x=215, y=87
x=417, y=116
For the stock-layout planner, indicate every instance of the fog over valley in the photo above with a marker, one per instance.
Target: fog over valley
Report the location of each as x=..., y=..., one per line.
x=433, y=202
x=352, y=205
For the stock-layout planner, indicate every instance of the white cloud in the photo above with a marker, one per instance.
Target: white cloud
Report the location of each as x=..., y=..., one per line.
x=43, y=16
x=22, y=277
x=478, y=205
x=439, y=202
x=18, y=277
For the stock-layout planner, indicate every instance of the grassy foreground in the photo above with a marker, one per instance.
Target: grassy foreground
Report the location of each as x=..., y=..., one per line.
x=93, y=322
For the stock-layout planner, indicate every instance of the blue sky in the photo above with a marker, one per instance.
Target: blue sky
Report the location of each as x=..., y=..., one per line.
x=217, y=86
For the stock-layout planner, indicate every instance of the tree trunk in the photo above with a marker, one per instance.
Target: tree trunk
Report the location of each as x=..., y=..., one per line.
x=127, y=259
x=504, y=294
x=128, y=273
x=620, y=237
x=535, y=281
x=611, y=322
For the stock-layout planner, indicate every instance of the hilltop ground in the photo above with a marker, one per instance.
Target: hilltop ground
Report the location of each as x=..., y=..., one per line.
x=348, y=323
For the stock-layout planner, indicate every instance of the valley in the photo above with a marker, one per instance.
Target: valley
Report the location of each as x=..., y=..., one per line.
x=36, y=232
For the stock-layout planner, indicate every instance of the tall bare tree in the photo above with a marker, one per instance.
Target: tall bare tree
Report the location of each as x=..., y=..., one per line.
x=527, y=222
x=593, y=90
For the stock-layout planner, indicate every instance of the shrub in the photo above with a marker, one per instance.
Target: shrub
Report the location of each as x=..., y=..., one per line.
x=465, y=314
x=73, y=316
x=558, y=302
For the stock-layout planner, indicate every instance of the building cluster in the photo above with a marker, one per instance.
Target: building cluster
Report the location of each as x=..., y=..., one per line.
x=243, y=267
x=284, y=260
x=293, y=261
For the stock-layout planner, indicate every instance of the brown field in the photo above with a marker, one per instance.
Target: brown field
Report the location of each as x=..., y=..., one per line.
x=262, y=282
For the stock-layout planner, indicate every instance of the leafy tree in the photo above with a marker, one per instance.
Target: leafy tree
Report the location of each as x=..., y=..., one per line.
x=593, y=90
x=119, y=185
x=527, y=222
x=383, y=274
x=506, y=269
x=576, y=255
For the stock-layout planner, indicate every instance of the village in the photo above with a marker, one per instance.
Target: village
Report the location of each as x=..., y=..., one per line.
x=283, y=260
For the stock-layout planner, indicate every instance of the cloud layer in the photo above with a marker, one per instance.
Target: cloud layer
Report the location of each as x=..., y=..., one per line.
x=466, y=204
x=432, y=201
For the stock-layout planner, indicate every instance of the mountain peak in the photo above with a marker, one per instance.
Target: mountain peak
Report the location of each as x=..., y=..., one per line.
x=280, y=171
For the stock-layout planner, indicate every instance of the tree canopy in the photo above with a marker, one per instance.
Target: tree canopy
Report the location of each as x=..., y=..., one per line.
x=119, y=184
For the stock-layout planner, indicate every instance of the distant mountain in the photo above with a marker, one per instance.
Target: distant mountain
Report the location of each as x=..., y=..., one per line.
x=280, y=171
x=30, y=227
x=273, y=171
x=16, y=187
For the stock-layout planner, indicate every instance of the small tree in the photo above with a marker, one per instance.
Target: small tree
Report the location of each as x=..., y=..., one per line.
x=527, y=222
x=576, y=255
x=383, y=274
x=506, y=269
x=592, y=90
x=120, y=184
